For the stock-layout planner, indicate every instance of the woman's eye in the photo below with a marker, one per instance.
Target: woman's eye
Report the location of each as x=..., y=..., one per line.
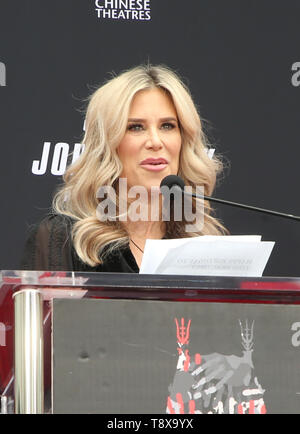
x=135, y=127
x=168, y=126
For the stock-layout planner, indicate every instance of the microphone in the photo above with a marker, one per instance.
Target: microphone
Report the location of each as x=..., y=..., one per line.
x=175, y=181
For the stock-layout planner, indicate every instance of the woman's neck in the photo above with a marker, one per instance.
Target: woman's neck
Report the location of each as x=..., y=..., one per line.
x=139, y=231
x=150, y=226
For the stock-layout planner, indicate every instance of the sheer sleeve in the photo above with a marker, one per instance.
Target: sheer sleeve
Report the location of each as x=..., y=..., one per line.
x=49, y=245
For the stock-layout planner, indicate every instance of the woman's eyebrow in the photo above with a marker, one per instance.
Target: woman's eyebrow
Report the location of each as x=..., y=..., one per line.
x=166, y=119
x=136, y=120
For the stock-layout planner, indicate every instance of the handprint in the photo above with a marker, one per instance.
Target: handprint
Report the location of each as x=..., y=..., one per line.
x=215, y=382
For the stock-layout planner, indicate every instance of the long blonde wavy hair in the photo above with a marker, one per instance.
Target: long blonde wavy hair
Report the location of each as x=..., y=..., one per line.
x=105, y=125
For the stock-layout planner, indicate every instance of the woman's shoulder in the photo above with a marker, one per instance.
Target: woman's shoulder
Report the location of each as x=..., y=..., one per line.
x=49, y=244
x=55, y=222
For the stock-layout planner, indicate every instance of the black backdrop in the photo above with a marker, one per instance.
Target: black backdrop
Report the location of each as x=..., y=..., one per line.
x=240, y=59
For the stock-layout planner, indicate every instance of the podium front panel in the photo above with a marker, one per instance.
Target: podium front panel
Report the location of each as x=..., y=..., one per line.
x=171, y=344
x=155, y=357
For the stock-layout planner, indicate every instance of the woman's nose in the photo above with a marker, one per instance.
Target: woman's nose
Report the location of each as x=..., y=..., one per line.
x=154, y=140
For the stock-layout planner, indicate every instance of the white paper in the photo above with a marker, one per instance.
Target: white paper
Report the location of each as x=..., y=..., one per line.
x=207, y=256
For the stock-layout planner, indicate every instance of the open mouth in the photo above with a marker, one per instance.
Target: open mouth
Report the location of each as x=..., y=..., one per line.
x=154, y=161
x=154, y=164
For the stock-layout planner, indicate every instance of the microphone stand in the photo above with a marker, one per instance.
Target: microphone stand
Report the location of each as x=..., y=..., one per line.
x=240, y=205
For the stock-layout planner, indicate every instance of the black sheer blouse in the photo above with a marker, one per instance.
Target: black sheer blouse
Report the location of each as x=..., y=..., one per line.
x=49, y=247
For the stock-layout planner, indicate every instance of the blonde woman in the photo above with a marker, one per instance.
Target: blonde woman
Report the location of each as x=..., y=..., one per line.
x=140, y=127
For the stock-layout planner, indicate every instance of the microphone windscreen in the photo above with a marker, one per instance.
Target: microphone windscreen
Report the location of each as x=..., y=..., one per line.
x=171, y=181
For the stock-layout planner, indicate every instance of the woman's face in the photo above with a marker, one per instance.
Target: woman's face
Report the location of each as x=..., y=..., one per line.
x=150, y=148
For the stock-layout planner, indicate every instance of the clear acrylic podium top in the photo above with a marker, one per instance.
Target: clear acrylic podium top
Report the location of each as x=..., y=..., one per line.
x=140, y=286
x=16, y=307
